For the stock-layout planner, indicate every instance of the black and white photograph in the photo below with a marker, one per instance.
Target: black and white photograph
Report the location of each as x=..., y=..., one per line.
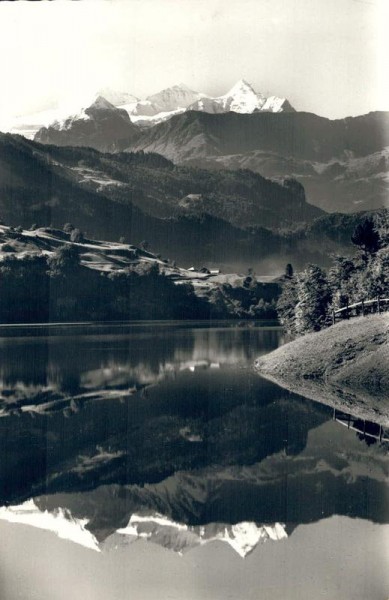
x=194, y=300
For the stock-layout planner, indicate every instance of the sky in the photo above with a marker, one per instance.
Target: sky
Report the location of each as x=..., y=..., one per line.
x=329, y=57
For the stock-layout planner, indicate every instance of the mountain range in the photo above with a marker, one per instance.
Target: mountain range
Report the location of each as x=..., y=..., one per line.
x=160, y=107
x=343, y=164
x=241, y=98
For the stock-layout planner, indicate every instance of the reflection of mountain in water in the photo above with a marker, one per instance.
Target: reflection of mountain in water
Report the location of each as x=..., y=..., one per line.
x=242, y=537
x=346, y=478
x=222, y=416
x=59, y=521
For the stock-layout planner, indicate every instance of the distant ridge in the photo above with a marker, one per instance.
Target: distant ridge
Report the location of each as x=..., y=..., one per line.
x=343, y=164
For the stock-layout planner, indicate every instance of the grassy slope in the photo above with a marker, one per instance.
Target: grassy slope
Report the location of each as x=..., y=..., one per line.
x=345, y=366
x=98, y=255
x=110, y=257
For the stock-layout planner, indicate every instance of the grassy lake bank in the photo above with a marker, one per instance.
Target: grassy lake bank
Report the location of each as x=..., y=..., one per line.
x=345, y=366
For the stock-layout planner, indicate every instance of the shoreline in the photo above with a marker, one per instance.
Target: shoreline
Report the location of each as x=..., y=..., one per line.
x=272, y=322
x=344, y=366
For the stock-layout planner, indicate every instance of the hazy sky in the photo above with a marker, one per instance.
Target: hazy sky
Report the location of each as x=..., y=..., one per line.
x=327, y=56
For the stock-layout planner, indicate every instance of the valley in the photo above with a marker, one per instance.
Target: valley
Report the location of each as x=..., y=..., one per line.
x=223, y=219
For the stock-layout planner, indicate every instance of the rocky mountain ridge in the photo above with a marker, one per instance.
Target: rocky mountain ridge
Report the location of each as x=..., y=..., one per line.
x=342, y=164
x=101, y=125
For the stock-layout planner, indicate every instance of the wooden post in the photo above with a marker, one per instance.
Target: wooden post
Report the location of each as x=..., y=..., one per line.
x=333, y=316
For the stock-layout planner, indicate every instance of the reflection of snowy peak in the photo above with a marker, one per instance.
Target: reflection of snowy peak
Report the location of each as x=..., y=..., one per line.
x=59, y=522
x=242, y=537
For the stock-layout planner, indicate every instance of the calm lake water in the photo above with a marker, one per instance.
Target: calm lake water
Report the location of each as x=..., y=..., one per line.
x=151, y=461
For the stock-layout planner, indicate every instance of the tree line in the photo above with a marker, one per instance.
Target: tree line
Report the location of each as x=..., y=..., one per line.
x=309, y=297
x=57, y=287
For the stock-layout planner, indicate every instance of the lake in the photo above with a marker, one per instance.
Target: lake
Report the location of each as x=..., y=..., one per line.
x=149, y=460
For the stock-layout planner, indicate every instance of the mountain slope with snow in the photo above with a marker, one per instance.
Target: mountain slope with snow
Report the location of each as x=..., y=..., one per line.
x=178, y=96
x=101, y=126
x=242, y=98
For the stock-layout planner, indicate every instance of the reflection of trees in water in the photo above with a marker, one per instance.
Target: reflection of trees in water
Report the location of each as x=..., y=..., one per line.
x=60, y=363
x=23, y=362
x=228, y=450
x=143, y=440
x=369, y=441
x=66, y=363
x=366, y=431
x=231, y=345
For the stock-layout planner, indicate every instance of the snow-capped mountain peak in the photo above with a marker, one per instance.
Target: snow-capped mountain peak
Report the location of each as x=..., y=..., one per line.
x=101, y=103
x=172, y=98
x=117, y=98
x=241, y=87
x=276, y=104
x=242, y=98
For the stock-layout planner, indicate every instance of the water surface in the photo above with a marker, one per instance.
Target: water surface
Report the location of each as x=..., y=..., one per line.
x=155, y=457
